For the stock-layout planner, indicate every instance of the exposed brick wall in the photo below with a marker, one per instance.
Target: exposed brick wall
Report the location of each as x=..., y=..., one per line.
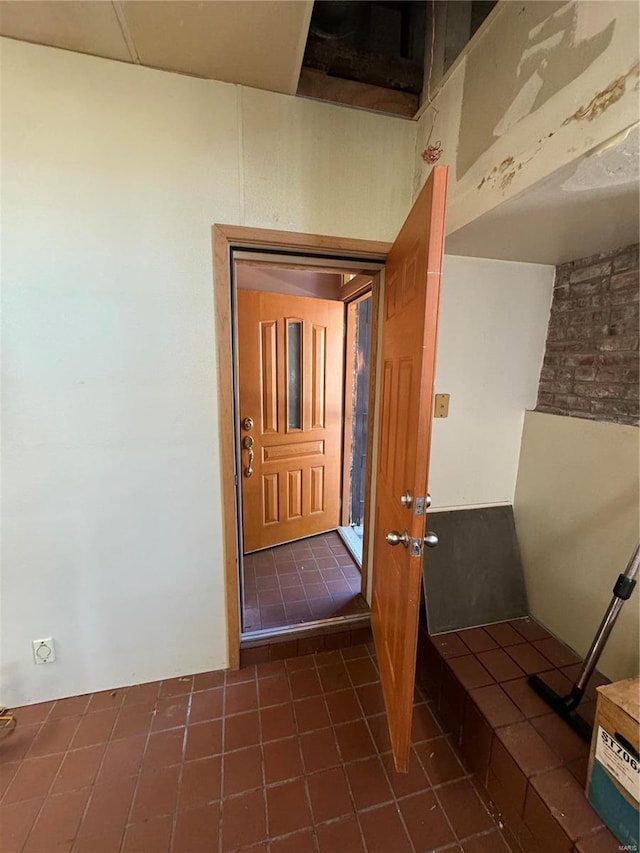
x=590, y=367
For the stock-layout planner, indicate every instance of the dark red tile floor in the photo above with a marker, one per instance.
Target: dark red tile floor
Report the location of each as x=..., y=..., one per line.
x=300, y=582
x=287, y=757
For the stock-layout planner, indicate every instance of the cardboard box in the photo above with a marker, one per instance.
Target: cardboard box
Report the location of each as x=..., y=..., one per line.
x=613, y=780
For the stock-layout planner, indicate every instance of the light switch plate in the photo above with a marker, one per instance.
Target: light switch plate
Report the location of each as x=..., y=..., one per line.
x=442, y=406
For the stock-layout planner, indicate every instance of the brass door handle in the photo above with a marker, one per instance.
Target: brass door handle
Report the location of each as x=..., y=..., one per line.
x=249, y=470
x=247, y=443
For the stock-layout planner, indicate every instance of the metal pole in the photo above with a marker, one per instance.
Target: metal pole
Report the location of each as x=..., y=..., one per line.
x=621, y=592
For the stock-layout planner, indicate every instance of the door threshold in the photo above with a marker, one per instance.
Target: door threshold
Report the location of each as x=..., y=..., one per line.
x=320, y=626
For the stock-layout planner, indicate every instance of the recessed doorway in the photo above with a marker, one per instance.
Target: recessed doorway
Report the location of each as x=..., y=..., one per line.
x=302, y=358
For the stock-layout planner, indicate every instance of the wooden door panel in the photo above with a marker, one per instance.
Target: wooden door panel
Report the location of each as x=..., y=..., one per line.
x=294, y=494
x=294, y=489
x=318, y=494
x=409, y=328
x=271, y=498
x=292, y=450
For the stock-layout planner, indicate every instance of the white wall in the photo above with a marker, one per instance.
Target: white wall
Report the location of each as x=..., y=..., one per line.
x=112, y=176
x=493, y=327
x=577, y=510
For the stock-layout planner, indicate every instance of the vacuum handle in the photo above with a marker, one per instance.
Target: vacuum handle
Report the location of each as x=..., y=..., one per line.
x=621, y=592
x=626, y=582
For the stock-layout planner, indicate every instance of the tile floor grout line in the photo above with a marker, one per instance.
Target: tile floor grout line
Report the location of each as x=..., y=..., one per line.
x=222, y=762
x=99, y=770
x=262, y=762
x=138, y=775
x=444, y=812
x=48, y=793
x=450, y=782
x=349, y=786
x=183, y=755
x=394, y=799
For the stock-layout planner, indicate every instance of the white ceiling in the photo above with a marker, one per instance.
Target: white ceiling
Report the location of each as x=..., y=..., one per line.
x=257, y=43
x=587, y=207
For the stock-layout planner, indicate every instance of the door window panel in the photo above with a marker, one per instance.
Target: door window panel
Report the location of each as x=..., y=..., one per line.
x=294, y=374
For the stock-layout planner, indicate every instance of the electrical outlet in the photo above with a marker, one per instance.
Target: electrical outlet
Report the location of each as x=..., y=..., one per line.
x=44, y=651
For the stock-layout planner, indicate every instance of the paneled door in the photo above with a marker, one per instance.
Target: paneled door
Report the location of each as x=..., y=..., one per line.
x=290, y=368
x=409, y=328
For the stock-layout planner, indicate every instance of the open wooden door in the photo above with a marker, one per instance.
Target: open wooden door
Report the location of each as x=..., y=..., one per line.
x=290, y=391
x=409, y=328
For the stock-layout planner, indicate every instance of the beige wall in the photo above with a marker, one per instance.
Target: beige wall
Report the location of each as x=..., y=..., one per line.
x=543, y=83
x=112, y=176
x=577, y=516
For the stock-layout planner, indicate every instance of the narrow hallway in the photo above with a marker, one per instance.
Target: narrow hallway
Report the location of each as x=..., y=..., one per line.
x=291, y=584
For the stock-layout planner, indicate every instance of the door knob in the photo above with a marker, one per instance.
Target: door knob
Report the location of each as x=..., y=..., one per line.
x=395, y=538
x=431, y=539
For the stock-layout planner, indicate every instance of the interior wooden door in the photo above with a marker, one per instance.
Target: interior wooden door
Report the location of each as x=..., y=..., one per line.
x=409, y=328
x=290, y=366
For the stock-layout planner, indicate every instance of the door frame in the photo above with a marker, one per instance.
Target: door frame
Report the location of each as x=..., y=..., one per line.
x=225, y=238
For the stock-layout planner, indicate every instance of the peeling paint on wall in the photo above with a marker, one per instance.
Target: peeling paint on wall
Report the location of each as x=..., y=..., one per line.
x=617, y=163
x=502, y=175
x=604, y=99
x=549, y=46
x=599, y=37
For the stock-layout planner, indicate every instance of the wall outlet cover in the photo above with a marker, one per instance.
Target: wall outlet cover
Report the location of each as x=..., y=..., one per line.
x=44, y=651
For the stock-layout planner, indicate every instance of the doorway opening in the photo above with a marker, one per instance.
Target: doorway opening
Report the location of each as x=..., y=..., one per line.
x=303, y=352
x=356, y=406
x=300, y=583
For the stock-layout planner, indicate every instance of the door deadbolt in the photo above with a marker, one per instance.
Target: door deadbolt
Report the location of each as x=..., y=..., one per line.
x=247, y=424
x=407, y=499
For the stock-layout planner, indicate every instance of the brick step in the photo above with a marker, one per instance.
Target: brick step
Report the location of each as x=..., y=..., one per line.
x=529, y=764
